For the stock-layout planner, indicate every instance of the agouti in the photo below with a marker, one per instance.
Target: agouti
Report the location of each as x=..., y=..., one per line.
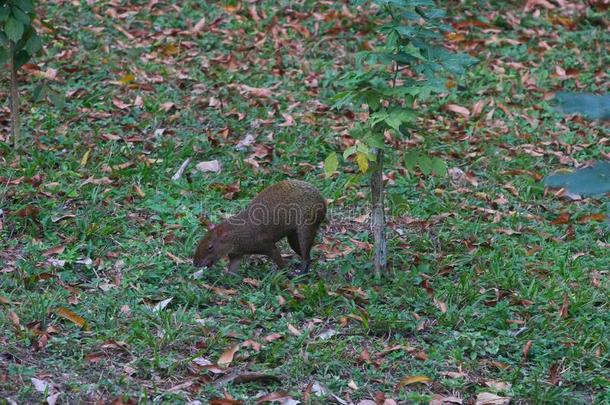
x=291, y=208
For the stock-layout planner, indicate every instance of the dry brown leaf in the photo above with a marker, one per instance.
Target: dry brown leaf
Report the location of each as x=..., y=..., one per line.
x=273, y=336
x=442, y=400
x=72, y=317
x=413, y=380
x=220, y=291
x=486, y=398
x=120, y=104
x=563, y=218
x=599, y=217
x=209, y=166
x=255, y=91
x=440, y=305
x=293, y=330
x=54, y=250
x=225, y=401
x=274, y=396
x=458, y=109
x=526, y=349
x=198, y=27
x=29, y=211
x=563, y=311
x=226, y=358
x=251, y=281
x=167, y=106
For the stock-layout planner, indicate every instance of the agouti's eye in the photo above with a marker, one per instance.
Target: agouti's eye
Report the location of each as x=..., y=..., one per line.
x=210, y=248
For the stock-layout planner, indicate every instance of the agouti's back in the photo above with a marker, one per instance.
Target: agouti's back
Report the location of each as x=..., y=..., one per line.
x=291, y=208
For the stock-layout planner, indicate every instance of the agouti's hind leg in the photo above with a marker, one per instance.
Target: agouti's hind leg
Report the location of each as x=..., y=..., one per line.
x=306, y=239
x=276, y=256
x=293, y=241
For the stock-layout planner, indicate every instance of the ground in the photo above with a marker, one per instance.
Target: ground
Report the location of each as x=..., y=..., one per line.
x=496, y=285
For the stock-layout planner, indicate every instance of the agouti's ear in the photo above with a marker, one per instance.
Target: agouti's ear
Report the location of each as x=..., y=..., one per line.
x=222, y=232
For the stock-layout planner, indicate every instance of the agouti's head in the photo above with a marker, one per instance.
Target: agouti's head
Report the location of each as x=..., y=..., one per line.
x=212, y=247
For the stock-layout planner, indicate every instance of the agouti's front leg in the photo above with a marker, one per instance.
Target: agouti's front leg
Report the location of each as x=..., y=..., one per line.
x=277, y=257
x=233, y=264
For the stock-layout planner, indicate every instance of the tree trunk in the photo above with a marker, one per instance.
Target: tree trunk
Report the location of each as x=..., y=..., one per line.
x=14, y=101
x=378, y=216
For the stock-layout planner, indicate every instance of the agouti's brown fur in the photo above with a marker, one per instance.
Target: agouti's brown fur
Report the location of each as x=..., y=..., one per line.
x=291, y=208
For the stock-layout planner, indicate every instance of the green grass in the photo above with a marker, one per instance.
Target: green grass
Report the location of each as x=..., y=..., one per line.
x=477, y=271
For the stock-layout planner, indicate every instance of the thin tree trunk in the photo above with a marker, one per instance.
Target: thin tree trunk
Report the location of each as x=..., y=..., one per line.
x=15, y=132
x=378, y=216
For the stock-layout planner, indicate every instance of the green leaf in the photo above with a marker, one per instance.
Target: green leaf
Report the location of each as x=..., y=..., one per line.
x=425, y=165
x=13, y=29
x=411, y=160
x=439, y=167
x=5, y=11
x=331, y=163
x=58, y=100
x=26, y=5
x=375, y=140
x=21, y=58
x=5, y=55
x=33, y=44
x=39, y=92
x=349, y=151
x=20, y=15
x=399, y=116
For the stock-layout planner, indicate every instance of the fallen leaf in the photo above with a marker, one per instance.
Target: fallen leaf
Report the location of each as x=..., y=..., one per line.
x=120, y=104
x=209, y=166
x=280, y=396
x=293, y=330
x=486, y=398
x=600, y=217
x=563, y=218
x=57, y=250
x=226, y=358
x=41, y=386
x=198, y=27
x=255, y=91
x=52, y=399
x=29, y=211
x=220, y=291
x=563, y=311
x=14, y=319
x=72, y=317
x=273, y=336
x=167, y=106
x=224, y=401
x=85, y=158
x=126, y=79
x=441, y=400
x=162, y=304
x=440, y=305
x=498, y=385
x=413, y=380
x=526, y=349
x=457, y=109
x=251, y=281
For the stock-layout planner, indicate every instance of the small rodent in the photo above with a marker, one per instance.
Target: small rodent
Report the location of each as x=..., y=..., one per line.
x=291, y=208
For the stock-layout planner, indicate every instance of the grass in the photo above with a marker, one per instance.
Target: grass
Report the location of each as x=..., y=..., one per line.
x=480, y=270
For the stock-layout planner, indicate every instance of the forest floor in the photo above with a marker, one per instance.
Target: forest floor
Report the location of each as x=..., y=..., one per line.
x=498, y=286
